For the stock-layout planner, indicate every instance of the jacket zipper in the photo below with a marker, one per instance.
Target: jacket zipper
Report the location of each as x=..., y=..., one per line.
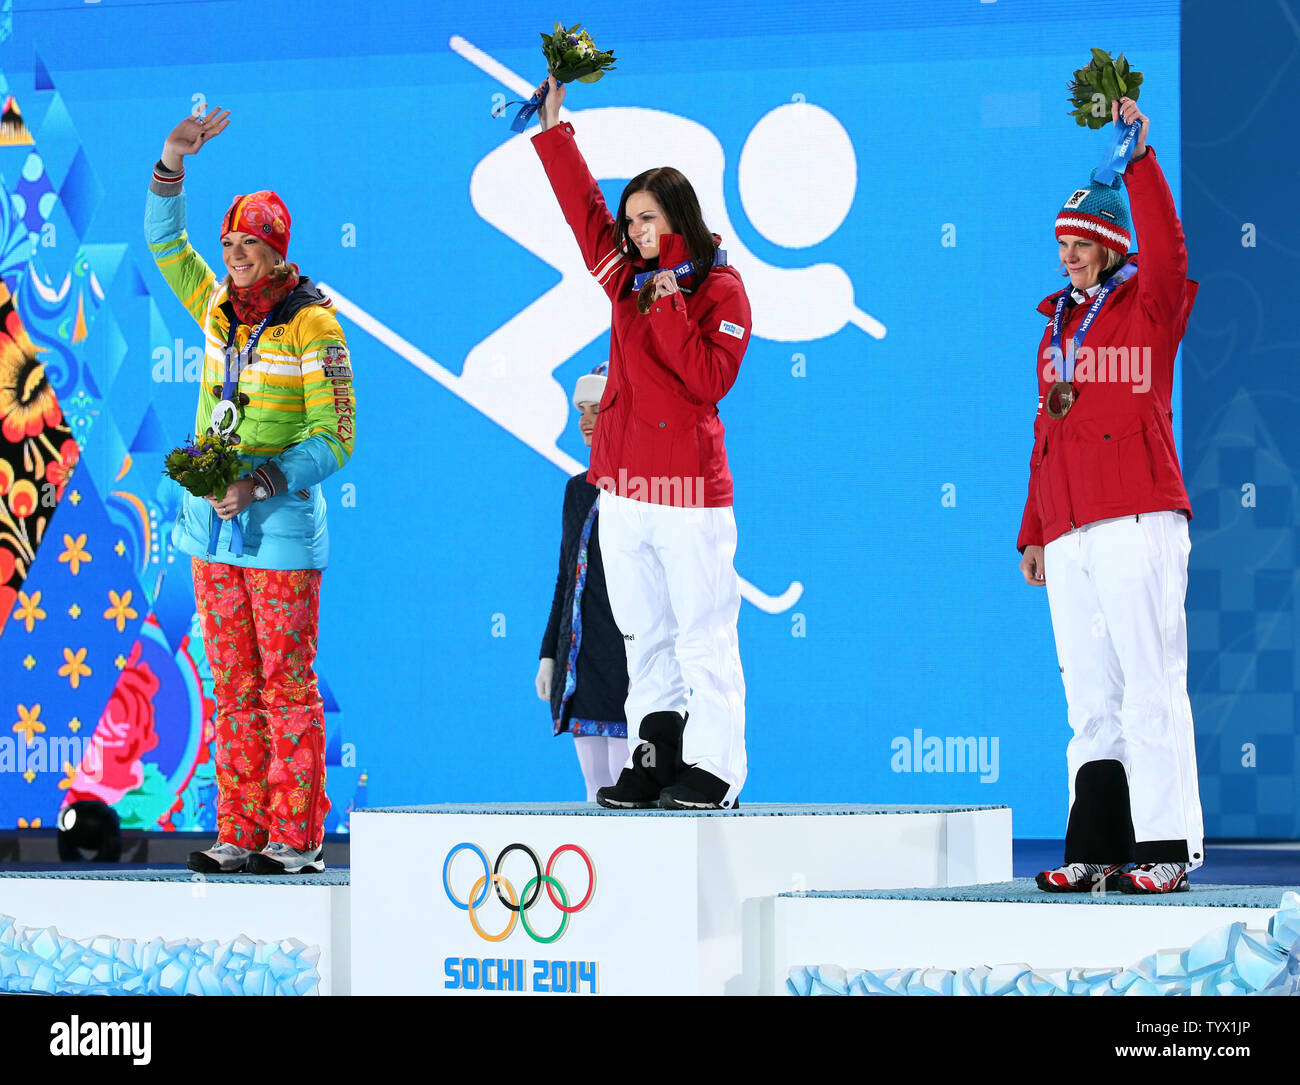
x=1069, y=498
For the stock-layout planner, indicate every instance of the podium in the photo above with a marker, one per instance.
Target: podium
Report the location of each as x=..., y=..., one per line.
x=566, y=899
x=144, y=931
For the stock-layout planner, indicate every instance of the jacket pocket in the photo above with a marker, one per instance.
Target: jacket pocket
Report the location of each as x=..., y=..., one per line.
x=665, y=460
x=1110, y=461
x=1040, y=467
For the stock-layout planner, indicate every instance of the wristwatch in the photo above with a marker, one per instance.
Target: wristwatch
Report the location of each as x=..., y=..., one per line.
x=260, y=492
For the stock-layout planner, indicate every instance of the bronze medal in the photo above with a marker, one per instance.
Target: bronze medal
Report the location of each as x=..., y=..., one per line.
x=645, y=297
x=1060, y=398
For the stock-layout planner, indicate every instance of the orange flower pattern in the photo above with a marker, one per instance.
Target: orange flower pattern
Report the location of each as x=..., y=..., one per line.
x=75, y=552
x=260, y=633
x=121, y=609
x=37, y=453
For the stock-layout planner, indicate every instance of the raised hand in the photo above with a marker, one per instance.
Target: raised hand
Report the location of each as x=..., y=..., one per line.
x=549, y=112
x=191, y=134
x=1126, y=109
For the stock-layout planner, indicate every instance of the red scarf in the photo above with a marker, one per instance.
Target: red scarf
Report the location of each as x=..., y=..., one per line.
x=253, y=302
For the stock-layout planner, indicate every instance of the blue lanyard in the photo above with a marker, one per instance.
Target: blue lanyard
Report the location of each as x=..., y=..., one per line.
x=1065, y=362
x=241, y=358
x=686, y=267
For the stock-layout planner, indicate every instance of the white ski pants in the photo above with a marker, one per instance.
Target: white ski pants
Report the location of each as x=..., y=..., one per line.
x=675, y=597
x=1117, y=589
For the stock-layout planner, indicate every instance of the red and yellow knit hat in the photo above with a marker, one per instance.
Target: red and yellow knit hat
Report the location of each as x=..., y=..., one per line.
x=262, y=214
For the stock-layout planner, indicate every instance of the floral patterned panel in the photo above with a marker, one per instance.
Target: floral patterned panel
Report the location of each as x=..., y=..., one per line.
x=37, y=453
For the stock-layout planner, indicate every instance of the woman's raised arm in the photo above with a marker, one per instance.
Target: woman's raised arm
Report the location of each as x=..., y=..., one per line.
x=578, y=193
x=186, y=272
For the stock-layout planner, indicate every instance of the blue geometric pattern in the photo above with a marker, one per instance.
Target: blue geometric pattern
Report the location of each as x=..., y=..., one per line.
x=1229, y=961
x=109, y=647
x=39, y=960
x=1243, y=446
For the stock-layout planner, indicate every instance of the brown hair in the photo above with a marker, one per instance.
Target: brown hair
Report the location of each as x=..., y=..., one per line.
x=677, y=198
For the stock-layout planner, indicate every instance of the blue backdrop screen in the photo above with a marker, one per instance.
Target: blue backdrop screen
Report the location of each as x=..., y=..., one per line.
x=885, y=177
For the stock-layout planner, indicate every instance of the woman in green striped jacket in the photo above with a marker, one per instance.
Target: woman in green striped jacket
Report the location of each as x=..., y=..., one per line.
x=277, y=383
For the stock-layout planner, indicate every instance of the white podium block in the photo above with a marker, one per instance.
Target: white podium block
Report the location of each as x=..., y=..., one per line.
x=1013, y=928
x=169, y=931
x=671, y=902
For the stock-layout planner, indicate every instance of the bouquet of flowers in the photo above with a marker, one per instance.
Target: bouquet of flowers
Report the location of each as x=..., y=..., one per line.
x=206, y=467
x=570, y=54
x=1094, y=88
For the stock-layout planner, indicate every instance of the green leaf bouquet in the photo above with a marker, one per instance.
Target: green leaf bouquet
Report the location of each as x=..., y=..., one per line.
x=571, y=54
x=205, y=467
x=1094, y=88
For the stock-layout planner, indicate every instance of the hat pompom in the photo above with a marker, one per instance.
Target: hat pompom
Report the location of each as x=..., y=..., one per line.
x=1112, y=183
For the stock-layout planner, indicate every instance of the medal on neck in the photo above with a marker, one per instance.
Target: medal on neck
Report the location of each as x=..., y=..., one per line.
x=228, y=409
x=1064, y=394
x=644, y=283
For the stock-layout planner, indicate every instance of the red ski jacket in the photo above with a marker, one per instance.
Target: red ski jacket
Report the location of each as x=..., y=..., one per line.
x=658, y=438
x=1113, y=452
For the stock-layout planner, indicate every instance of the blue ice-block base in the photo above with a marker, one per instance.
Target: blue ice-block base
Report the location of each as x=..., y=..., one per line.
x=35, y=960
x=1232, y=960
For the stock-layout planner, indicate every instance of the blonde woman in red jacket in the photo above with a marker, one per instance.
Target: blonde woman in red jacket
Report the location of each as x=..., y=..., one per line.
x=1105, y=529
x=667, y=532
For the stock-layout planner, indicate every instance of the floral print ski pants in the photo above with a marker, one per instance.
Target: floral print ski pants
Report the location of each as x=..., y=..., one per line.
x=259, y=631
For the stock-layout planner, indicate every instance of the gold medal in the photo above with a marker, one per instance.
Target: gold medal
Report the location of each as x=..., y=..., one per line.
x=1060, y=398
x=645, y=297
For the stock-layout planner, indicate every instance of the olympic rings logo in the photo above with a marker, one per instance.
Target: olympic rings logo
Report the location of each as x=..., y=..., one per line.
x=518, y=903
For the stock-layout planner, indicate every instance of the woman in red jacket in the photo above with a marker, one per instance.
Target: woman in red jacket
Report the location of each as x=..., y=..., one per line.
x=679, y=329
x=1105, y=529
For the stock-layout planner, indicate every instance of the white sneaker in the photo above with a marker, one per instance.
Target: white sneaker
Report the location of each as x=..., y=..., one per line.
x=279, y=858
x=221, y=858
x=1155, y=878
x=1080, y=877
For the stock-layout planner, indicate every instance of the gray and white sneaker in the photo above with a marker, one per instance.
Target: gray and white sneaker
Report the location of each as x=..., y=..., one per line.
x=221, y=858
x=279, y=858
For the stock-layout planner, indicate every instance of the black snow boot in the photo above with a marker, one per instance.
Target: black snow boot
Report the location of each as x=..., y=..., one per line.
x=696, y=789
x=655, y=764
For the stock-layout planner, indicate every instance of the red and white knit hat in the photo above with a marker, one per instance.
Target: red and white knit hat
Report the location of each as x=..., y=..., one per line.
x=1099, y=213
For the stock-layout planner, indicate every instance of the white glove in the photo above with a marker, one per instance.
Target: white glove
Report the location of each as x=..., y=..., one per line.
x=545, y=668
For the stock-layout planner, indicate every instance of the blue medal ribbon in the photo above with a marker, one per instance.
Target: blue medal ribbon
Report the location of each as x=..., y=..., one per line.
x=235, y=362
x=1065, y=362
x=1122, y=141
x=685, y=268
x=530, y=107
x=241, y=357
